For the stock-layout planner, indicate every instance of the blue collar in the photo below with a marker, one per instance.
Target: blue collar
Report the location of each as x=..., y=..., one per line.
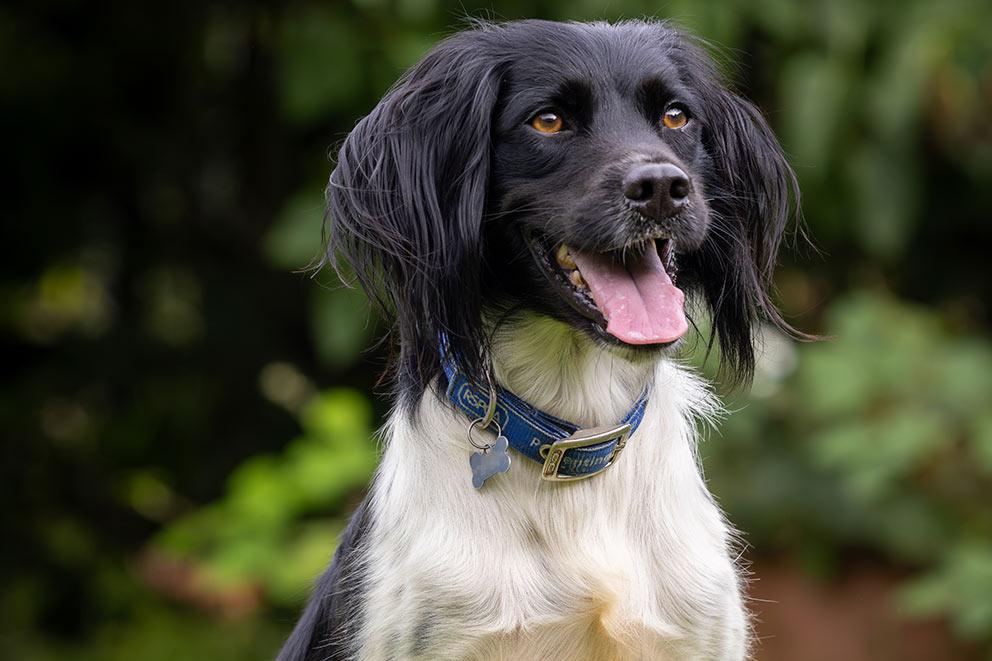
x=565, y=451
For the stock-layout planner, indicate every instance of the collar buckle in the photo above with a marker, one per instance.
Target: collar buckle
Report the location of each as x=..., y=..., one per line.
x=596, y=460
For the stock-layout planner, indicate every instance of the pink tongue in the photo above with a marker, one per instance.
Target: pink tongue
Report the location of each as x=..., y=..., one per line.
x=638, y=299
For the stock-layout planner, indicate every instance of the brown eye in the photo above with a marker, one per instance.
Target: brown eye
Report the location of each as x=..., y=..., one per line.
x=547, y=122
x=674, y=118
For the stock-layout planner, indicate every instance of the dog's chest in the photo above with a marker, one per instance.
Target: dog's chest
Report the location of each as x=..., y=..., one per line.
x=631, y=563
x=525, y=570
x=523, y=594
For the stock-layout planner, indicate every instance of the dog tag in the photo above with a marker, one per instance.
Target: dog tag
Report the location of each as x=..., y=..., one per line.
x=487, y=463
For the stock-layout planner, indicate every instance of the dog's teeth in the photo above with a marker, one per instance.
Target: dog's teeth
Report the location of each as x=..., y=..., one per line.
x=576, y=278
x=564, y=257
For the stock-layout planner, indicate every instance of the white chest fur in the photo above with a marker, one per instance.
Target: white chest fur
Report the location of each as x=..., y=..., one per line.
x=630, y=564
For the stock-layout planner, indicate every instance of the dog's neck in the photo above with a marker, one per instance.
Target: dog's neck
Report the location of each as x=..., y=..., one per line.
x=565, y=373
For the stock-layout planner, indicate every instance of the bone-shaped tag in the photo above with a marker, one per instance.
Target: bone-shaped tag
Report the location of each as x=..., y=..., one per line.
x=487, y=463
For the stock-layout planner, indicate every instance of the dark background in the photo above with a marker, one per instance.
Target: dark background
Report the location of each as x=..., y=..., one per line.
x=186, y=421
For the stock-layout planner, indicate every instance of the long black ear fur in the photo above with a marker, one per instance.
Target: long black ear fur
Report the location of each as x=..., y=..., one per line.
x=407, y=200
x=754, y=198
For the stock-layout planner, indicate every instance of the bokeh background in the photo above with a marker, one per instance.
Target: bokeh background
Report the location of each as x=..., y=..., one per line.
x=187, y=421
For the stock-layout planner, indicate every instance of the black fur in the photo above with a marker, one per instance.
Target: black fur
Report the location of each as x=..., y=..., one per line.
x=436, y=191
x=407, y=199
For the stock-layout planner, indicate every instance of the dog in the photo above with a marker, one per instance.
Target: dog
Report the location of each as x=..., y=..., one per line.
x=531, y=204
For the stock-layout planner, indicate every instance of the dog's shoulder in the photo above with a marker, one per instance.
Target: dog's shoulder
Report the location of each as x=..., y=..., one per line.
x=325, y=630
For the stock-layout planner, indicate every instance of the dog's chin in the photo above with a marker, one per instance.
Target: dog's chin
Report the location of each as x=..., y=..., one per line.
x=577, y=306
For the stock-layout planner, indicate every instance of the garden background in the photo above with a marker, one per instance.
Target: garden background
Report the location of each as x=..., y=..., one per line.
x=187, y=421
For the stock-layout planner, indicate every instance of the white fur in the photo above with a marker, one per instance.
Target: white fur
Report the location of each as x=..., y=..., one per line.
x=633, y=563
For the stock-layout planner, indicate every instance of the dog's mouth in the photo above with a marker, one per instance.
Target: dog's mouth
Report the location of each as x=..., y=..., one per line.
x=630, y=293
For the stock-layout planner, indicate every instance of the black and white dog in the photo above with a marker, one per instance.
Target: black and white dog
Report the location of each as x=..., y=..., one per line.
x=518, y=202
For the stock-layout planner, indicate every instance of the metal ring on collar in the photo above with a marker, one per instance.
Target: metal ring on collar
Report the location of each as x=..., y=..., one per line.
x=484, y=446
x=487, y=419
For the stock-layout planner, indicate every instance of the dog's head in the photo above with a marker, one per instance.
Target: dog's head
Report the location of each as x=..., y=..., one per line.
x=589, y=172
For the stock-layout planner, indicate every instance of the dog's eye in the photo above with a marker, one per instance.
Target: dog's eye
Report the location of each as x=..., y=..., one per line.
x=547, y=122
x=674, y=118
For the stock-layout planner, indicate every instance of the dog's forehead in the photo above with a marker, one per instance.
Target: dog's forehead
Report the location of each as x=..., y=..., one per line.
x=541, y=57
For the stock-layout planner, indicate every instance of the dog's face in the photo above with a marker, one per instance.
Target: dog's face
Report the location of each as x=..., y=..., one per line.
x=586, y=171
x=600, y=170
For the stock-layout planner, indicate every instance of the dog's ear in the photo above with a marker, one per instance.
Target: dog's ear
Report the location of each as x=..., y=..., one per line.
x=406, y=203
x=755, y=198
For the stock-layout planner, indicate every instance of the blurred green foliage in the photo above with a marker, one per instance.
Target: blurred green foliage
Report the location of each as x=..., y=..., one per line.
x=879, y=438
x=271, y=528
x=184, y=433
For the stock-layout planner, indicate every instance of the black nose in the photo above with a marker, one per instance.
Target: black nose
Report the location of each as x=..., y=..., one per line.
x=656, y=190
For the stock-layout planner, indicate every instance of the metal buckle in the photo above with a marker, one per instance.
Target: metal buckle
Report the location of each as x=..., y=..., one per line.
x=554, y=453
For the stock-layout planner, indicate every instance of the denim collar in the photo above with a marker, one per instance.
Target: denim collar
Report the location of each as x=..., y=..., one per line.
x=565, y=451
